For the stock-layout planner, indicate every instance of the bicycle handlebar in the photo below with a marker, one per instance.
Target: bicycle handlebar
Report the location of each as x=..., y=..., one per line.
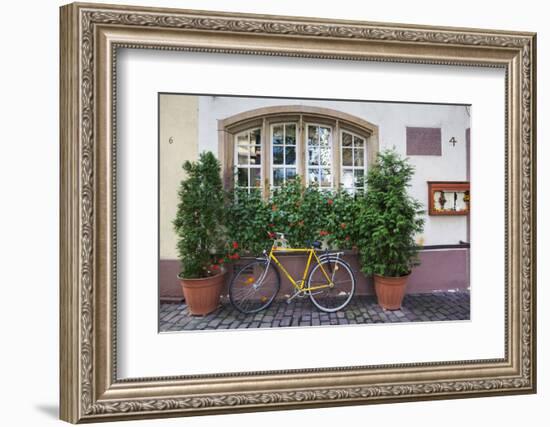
x=276, y=234
x=280, y=236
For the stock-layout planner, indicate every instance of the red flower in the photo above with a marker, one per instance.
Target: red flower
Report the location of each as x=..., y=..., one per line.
x=235, y=245
x=271, y=234
x=215, y=267
x=330, y=201
x=343, y=225
x=220, y=261
x=235, y=256
x=323, y=233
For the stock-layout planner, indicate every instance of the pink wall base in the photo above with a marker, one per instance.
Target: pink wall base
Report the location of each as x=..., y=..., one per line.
x=440, y=270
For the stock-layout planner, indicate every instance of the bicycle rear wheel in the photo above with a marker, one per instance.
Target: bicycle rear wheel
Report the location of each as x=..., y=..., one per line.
x=254, y=287
x=336, y=297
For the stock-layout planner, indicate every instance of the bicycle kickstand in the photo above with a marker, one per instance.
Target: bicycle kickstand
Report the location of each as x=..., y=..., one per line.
x=290, y=298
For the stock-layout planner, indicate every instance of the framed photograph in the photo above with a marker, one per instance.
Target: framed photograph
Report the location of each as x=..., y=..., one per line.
x=269, y=212
x=448, y=198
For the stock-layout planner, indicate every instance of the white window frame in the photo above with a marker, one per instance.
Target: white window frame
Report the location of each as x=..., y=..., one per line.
x=306, y=166
x=353, y=167
x=298, y=146
x=248, y=166
x=264, y=119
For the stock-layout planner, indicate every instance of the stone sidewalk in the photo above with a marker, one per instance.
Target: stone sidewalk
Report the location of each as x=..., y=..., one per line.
x=438, y=306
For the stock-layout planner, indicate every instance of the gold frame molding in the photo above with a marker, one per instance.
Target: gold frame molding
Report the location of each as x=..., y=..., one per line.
x=90, y=37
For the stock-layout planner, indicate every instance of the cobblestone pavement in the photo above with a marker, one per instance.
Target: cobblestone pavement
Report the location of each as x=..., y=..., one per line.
x=438, y=306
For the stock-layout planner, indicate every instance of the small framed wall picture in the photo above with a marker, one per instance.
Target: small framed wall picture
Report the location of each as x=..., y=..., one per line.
x=449, y=198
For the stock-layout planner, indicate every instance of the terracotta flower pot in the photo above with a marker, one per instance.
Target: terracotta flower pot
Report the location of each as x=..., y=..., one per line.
x=390, y=291
x=203, y=295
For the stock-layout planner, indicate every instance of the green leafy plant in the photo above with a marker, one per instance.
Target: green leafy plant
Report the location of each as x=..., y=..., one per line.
x=248, y=223
x=315, y=209
x=200, y=218
x=388, y=218
x=342, y=220
x=300, y=213
x=286, y=212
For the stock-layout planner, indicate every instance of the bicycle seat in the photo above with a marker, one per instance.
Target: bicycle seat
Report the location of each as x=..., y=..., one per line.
x=315, y=244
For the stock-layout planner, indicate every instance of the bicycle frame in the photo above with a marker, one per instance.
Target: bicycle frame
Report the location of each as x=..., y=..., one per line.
x=311, y=255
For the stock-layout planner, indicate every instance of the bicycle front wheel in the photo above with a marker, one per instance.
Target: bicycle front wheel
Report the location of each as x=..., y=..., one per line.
x=334, y=294
x=254, y=287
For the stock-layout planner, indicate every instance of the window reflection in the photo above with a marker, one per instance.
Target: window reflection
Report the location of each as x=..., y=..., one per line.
x=290, y=149
x=353, y=160
x=249, y=159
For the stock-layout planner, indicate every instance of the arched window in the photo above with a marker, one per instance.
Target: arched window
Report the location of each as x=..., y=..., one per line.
x=328, y=148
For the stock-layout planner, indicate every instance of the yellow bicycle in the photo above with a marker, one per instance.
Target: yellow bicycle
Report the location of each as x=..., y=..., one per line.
x=330, y=284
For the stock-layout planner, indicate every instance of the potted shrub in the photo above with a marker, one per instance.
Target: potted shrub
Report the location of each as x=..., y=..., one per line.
x=388, y=222
x=199, y=226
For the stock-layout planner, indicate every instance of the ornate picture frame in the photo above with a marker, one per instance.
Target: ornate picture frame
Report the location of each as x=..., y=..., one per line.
x=90, y=37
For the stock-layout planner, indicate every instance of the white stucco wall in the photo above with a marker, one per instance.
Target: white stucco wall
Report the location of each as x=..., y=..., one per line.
x=392, y=120
x=178, y=118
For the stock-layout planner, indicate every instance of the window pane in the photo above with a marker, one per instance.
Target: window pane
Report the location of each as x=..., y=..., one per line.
x=242, y=138
x=255, y=137
x=346, y=139
x=255, y=155
x=312, y=135
x=358, y=142
x=242, y=177
x=290, y=134
x=255, y=177
x=313, y=176
x=359, y=157
x=324, y=136
x=290, y=173
x=278, y=155
x=278, y=176
x=278, y=134
x=347, y=159
x=325, y=156
x=326, y=178
x=290, y=155
x=347, y=178
x=359, y=175
x=313, y=156
x=243, y=151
